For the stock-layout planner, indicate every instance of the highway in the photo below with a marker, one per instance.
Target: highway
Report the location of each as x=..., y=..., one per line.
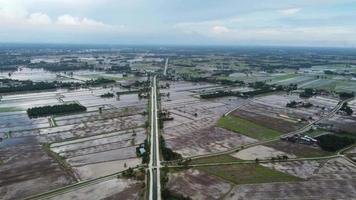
x=154, y=164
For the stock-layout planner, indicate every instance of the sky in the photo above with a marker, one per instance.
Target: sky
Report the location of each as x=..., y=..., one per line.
x=180, y=22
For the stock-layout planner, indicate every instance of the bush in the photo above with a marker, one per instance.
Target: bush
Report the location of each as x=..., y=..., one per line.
x=347, y=109
x=346, y=95
x=107, y=95
x=308, y=92
x=167, y=153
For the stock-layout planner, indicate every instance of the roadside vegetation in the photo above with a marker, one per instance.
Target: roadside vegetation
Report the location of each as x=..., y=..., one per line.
x=247, y=128
x=225, y=158
x=167, y=153
x=166, y=194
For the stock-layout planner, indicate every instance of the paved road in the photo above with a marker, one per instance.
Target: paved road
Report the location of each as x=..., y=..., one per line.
x=165, y=67
x=154, y=165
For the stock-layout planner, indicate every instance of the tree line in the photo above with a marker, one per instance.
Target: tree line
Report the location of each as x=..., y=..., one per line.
x=44, y=111
x=20, y=86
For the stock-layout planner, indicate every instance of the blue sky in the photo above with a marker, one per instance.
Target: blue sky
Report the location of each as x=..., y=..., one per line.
x=180, y=22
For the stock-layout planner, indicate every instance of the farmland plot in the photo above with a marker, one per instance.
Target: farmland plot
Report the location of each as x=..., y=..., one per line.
x=326, y=179
x=205, y=185
x=271, y=111
x=28, y=170
x=192, y=131
x=111, y=189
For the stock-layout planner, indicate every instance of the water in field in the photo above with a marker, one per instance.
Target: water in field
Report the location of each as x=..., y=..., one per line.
x=24, y=73
x=11, y=142
x=29, y=74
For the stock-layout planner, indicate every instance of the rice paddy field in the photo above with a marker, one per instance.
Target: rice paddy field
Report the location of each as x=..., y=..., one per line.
x=65, y=149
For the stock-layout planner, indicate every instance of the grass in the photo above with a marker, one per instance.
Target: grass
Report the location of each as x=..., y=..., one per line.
x=284, y=77
x=247, y=128
x=348, y=135
x=299, y=150
x=248, y=174
x=214, y=159
x=314, y=133
x=106, y=76
x=9, y=109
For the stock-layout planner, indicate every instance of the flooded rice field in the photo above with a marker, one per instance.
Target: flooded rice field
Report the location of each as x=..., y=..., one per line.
x=192, y=131
x=92, y=143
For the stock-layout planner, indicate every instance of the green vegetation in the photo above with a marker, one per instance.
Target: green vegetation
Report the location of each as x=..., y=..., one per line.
x=55, y=109
x=248, y=174
x=347, y=109
x=99, y=81
x=166, y=194
x=146, y=155
x=284, y=77
x=52, y=122
x=294, y=104
x=247, y=128
x=259, y=88
x=334, y=142
x=10, y=85
x=62, y=66
x=214, y=159
x=129, y=173
x=8, y=135
x=107, y=95
x=9, y=109
x=314, y=133
x=11, y=62
x=127, y=92
x=60, y=159
x=346, y=95
x=121, y=68
x=308, y=92
x=19, y=86
x=167, y=153
x=299, y=150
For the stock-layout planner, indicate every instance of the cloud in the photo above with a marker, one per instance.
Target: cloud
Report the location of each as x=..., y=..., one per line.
x=321, y=35
x=68, y=20
x=39, y=19
x=290, y=11
x=220, y=29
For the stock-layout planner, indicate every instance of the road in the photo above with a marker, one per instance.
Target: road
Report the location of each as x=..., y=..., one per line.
x=165, y=67
x=154, y=165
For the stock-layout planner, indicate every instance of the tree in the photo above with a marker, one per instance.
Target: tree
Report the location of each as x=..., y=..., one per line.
x=347, y=109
